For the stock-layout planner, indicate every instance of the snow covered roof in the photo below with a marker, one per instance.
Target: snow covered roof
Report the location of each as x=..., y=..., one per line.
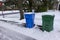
x=2, y=0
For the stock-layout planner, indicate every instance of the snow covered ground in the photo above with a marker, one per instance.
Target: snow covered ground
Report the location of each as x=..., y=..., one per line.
x=34, y=32
x=6, y=34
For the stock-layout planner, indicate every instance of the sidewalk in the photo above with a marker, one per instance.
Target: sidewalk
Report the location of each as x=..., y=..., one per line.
x=12, y=20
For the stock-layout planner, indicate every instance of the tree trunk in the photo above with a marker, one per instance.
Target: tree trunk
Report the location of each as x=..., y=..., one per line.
x=19, y=3
x=21, y=14
x=55, y=4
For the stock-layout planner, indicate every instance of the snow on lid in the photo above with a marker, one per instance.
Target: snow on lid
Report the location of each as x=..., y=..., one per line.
x=0, y=0
x=49, y=13
x=28, y=13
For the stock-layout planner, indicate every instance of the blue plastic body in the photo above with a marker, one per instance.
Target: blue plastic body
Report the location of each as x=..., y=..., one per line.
x=29, y=20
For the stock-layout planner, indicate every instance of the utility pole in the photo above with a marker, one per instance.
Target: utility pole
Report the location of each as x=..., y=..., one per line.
x=1, y=6
x=2, y=9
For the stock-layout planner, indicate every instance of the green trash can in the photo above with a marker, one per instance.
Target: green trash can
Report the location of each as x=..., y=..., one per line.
x=47, y=22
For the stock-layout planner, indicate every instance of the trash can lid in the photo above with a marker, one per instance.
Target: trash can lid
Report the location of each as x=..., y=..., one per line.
x=28, y=13
x=49, y=13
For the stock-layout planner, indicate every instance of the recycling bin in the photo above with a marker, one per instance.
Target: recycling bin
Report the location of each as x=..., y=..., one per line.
x=29, y=20
x=47, y=22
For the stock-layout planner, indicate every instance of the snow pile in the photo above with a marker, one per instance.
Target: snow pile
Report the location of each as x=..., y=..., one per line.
x=12, y=11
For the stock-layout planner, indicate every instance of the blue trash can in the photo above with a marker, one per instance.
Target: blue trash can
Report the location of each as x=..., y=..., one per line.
x=29, y=20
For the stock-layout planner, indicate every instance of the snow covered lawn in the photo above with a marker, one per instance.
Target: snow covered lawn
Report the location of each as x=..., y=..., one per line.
x=35, y=32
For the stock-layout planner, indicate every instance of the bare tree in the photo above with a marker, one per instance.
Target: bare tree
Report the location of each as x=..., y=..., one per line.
x=55, y=4
x=19, y=5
